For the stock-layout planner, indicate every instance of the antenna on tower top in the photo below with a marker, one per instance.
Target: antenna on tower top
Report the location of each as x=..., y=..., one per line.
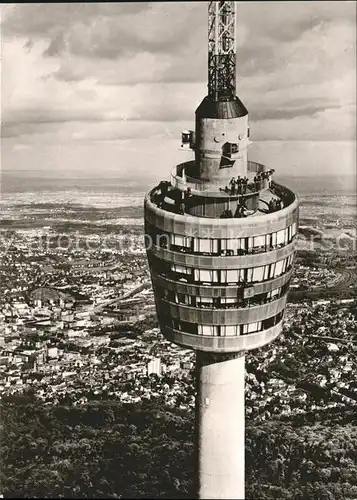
x=221, y=50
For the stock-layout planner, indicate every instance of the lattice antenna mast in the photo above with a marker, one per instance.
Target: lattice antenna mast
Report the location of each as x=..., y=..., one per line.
x=222, y=50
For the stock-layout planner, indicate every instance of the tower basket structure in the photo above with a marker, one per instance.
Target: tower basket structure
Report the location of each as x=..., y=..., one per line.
x=220, y=240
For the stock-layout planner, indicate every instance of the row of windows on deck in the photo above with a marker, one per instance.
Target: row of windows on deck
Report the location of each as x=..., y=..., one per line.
x=223, y=276
x=221, y=330
x=222, y=302
x=224, y=246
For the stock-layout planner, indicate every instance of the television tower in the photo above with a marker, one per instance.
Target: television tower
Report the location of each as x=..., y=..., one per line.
x=220, y=252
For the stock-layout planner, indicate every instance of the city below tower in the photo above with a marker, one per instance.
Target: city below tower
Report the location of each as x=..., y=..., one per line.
x=220, y=239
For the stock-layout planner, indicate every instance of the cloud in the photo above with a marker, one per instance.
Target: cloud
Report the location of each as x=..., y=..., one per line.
x=105, y=31
x=33, y=95
x=127, y=69
x=327, y=125
x=42, y=19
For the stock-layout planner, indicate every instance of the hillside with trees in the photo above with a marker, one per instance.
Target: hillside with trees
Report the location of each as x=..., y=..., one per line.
x=107, y=449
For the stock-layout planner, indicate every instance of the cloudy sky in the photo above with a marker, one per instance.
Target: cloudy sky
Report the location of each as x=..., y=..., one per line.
x=93, y=88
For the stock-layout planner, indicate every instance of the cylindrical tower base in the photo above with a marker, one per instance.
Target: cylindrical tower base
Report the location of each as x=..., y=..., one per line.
x=220, y=425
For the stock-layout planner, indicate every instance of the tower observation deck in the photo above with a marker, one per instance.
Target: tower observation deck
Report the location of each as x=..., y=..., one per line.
x=220, y=239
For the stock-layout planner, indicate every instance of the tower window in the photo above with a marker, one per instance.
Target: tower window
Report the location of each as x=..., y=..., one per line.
x=181, y=269
x=230, y=148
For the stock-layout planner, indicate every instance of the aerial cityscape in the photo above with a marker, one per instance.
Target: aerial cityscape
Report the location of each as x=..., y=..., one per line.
x=95, y=401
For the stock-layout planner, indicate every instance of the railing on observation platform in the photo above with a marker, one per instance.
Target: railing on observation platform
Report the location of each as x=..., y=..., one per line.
x=180, y=180
x=257, y=168
x=285, y=194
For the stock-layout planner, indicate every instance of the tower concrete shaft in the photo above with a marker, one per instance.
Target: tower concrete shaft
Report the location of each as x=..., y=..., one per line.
x=220, y=422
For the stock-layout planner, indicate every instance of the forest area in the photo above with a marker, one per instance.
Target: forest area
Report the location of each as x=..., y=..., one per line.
x=107, y=449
